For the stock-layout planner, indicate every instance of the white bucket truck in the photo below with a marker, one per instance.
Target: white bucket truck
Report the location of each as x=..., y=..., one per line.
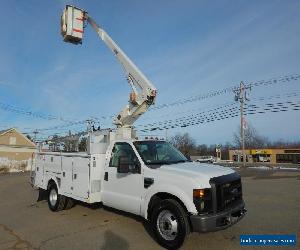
x=149, y=178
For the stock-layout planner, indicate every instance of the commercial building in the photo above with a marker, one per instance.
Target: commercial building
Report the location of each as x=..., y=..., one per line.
x=271, y=155
x=15, y=146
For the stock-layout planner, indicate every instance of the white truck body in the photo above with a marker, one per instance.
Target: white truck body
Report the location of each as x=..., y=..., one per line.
x=162, y=187
x=89, y=178
x=76, y=175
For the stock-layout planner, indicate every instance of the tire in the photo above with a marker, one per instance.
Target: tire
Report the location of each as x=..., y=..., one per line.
x=56, y=202
x=170, y=223
x=69, y=203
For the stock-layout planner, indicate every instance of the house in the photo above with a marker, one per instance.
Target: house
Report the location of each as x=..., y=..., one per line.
x=15, y=146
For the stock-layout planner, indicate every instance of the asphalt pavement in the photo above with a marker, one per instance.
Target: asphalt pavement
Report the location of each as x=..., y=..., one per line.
x=272, y=200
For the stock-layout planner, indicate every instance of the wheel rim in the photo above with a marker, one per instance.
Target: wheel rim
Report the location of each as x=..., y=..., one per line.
x=167, y=225
x=53, y=197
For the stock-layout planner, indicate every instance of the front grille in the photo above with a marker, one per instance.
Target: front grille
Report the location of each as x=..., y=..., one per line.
x=226, y=191
x=228, y=194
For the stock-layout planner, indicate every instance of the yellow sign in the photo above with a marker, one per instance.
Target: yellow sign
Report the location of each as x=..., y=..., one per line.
x=260, y=151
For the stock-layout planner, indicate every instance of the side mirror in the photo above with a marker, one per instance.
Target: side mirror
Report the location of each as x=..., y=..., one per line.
x=123, y=166
x=188, y=157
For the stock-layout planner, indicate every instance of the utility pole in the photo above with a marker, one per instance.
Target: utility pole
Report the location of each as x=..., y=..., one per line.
x=218, y=153
x=35, y=132
x=241, y=96
x=90, y=125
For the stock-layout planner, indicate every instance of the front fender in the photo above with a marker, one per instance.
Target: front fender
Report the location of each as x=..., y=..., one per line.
x=170, y=189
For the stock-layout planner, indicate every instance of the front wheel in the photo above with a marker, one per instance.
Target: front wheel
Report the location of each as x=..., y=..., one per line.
x=170, y=224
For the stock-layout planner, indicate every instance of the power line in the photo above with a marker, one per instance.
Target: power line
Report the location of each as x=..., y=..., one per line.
x=62, y=126
x=213, y=110
x=83, y=122
x=275, y=80
x=227, y=113
x=69, y=123
x=192, y=113
x=188, y=111
x=17, y=110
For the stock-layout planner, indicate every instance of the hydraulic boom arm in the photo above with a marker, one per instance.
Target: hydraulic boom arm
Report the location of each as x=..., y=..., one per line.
x=144, y=93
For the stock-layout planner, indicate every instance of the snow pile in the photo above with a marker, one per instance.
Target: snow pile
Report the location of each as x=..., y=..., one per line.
x=261, y=168
x=7, y=165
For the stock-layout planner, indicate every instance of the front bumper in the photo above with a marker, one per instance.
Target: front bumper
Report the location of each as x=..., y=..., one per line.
x=219, y=221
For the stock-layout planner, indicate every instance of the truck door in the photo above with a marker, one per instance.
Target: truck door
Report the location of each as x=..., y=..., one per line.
x=123, y=190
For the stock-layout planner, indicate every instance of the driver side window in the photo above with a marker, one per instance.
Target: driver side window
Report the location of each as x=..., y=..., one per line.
x=123, y=149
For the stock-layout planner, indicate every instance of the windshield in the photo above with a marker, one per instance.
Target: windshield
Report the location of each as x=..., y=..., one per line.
x=158, y=153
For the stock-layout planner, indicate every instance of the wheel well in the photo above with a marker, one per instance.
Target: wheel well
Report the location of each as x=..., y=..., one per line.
x=51, y=182
x=155, y=199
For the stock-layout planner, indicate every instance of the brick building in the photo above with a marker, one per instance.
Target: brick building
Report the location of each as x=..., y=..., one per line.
x=282, y=155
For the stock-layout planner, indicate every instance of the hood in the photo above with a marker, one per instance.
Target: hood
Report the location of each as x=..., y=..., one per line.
x=195, y=169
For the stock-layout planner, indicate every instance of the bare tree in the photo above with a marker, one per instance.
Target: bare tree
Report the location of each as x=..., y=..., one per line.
x=252, y=138
x=284, y=144
x=83, y=144
x=184, y=143
x=225, y=150
x=202, y=149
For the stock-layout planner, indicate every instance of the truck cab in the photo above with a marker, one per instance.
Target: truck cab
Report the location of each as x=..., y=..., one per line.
x=143, y=174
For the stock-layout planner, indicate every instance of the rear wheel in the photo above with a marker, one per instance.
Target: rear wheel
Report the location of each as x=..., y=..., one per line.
x=170, y=223
x=56, y=202
x=69, y=203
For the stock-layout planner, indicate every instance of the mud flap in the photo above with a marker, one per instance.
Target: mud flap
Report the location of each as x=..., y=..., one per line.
x=43, y=195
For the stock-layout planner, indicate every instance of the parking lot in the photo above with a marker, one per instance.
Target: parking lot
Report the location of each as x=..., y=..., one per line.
x=272, y=199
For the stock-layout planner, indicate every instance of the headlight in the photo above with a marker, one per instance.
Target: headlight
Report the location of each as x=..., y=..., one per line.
x=202, y=200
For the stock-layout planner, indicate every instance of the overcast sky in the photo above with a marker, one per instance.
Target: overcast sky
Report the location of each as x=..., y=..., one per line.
x=186, y=48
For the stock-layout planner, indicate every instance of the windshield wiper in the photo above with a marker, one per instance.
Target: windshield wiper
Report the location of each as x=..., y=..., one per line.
x=179, y=161
x=158, y=163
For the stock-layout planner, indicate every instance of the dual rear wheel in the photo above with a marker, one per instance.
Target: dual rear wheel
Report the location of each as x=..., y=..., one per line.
x=56, y=201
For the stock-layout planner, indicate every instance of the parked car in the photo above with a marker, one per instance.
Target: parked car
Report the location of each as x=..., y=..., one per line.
x=206, y=159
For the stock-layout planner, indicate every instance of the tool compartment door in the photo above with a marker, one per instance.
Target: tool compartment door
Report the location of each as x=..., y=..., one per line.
x=39, y=170
x=67, y=174
x=81, y=176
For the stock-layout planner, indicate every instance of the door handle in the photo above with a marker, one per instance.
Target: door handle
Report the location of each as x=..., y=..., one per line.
x=106, y=176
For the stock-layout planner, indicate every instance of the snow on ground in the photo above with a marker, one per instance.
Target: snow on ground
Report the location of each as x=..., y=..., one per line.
x=261, y=168
x=275, y=168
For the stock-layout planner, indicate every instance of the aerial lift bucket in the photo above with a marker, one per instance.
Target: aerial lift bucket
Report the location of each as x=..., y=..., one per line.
x=72, y=24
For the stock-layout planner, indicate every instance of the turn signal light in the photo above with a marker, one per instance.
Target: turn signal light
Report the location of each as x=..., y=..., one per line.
x=198, y=193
